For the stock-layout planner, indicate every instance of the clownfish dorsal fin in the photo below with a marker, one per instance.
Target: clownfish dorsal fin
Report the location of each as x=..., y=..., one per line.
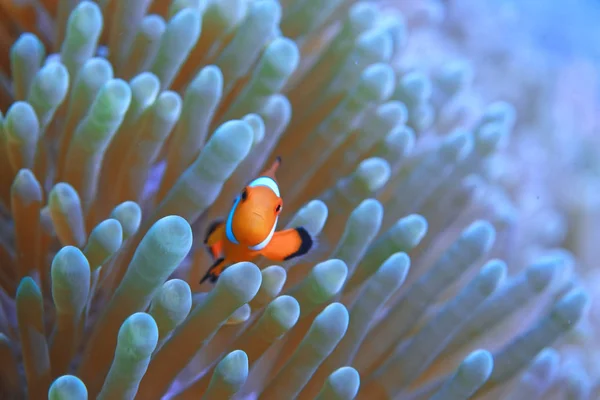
x=267, y=178
x=270, y=172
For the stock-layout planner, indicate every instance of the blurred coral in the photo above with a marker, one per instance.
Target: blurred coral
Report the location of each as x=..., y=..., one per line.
x=446, y=160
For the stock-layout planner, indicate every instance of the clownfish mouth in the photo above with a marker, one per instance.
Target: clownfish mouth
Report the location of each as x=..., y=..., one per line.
x=256, y=221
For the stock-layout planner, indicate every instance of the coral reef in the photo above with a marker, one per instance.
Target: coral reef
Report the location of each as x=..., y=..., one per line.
x=128, y=126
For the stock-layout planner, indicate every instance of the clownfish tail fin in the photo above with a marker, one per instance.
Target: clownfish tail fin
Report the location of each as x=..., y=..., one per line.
x=214, y=271
x=306, y=243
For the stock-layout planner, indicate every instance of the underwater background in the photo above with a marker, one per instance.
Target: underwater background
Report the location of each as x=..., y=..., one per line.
x=445, y=153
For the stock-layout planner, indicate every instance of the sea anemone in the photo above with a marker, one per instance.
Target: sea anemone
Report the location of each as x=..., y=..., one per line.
x=130, y=125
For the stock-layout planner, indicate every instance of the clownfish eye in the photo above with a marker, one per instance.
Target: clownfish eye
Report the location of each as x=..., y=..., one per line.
x=244, y=195
x=278, y=208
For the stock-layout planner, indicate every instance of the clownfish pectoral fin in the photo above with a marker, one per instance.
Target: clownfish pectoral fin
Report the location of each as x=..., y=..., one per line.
x=288, y=244
x=214, y=233
x=214, y=271
x=214, y=237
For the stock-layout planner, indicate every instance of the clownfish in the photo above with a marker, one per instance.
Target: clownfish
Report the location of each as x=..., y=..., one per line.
x=250, y=228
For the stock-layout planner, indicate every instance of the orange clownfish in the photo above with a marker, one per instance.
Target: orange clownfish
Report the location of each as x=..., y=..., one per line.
x=249, y=230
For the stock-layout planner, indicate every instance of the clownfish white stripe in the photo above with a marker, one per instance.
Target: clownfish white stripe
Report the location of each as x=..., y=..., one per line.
x=268, y=182
x=265, y=242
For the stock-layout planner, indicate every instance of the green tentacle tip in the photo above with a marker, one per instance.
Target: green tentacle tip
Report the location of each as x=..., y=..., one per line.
x=374, y=173
x=570, y=308
x=454, y=76
x=501, y=112
x=28, y=288
x=70, y=273
x=328, y=277
x=393, y=113
x=180, y=36
x=187, y=18
x=400, y=140
x=239, y=316
x=491, y=275
x=477, y=366
x=171, y=234
x=273, y=279
x=241, y=281
x=277, y=110
x=27, y=45
x=480, y=234
x=233, y=369
x=472, y=373
x=49, y=86
x=411, y=229
x=83, y=31
x=63, y=197
x=283, y=56
x=541, y=273
x=342, y=384
x=26, y=56
x=375, y=44
x=365, y=220
x=489, y=136
x=258, y=127
x=108, y=234
x=543, y=367
x=152, y=28
x=207, y=84
x=144, y=88
x=84, y=24
x=363, y=15
x=67, y=387
x=233, y=139
x=95, y=72
x=226, y=12
x=267, y=11
x=27, y=187
x=456, y=146
x=377, y=82
x=331, y=323
x=173, y=299
x=285, y=310
x=395, y=23
x=394, y=269
x=168, y=106
x=129, y=215
x=138, y=336
x=416, y=86
x=113, y=100
x=178, y=5
x=21, y=123
x=311, y=216
x=104, y=241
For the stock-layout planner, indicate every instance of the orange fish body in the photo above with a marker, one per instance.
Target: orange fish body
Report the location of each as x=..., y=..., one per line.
x=250, y=228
